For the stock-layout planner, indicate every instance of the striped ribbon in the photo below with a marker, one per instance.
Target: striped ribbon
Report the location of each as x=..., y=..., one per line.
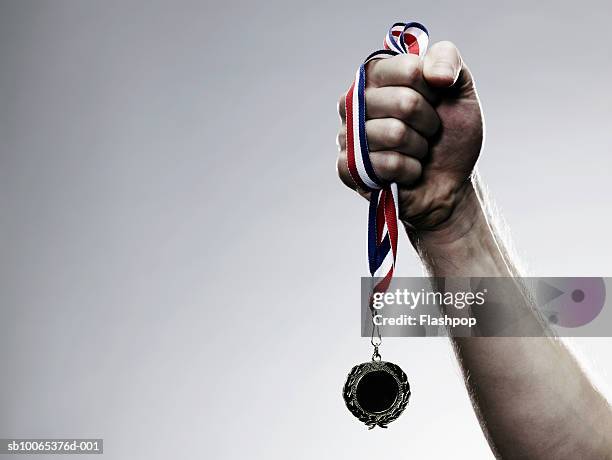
x=403, y=38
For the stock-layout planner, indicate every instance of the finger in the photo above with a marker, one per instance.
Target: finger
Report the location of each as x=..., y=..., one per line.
x=345, y=175
x=343, y=171
x=393, y=166
x=341, y=139
x=394, y=134
x=443, y=66
x=342, y=107
x=389, y=167
x=400, y=70
x=404, y=104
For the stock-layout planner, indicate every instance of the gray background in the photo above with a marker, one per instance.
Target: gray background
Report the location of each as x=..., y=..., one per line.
x=172, y=231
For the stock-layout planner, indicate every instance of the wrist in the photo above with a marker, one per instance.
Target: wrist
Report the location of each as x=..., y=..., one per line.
x=463, y=244
x=461, y=219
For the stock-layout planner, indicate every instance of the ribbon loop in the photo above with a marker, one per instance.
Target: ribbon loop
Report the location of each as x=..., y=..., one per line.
x=402, y=38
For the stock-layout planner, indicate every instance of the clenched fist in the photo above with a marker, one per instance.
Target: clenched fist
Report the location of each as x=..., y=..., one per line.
x=424, y=129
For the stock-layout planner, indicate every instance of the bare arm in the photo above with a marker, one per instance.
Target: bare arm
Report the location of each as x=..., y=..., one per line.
x=531, y=397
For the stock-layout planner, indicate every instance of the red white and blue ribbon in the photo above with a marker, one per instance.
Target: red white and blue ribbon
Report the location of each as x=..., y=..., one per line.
x=403, y=38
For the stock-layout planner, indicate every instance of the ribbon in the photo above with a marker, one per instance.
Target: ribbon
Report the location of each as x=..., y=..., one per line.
x=403, y=38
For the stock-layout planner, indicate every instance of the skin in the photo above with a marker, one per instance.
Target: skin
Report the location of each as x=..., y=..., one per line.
x=425, y=131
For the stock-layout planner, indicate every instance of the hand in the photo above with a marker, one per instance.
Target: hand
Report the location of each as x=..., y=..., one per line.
x=425, y=131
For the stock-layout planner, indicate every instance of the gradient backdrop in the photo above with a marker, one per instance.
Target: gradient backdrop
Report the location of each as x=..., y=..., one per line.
x=179, y=266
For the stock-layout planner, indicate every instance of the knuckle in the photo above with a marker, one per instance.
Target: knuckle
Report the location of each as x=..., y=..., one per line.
x=341, y=106
x=393, y=165
x=396, y=132
x=341, y=138
x=418, y=147
x=411, y=68
x=406, y=102
x=373, y=77
x=342, y=171
x=416, y=169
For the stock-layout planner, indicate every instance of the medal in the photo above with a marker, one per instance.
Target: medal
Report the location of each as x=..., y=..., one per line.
x=377, y=392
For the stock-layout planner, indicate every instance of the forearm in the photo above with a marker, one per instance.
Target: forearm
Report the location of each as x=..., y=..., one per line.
x=532, y=398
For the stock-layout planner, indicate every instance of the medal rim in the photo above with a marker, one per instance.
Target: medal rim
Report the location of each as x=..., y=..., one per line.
x=382, y=418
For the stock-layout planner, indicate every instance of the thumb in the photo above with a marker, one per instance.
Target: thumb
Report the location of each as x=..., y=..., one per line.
x=443, y=67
